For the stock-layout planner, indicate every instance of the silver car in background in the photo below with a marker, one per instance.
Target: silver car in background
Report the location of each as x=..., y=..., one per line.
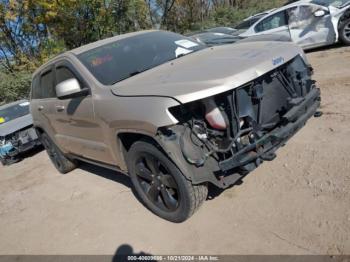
x=17, y=134
x=216, y=39
x=308, y=23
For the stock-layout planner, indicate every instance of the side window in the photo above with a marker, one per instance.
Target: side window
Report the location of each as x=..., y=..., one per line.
x=36, y=91
x=244, y=25
x=47, y=86
x=301, y=16
x=63, y=74
x=274, y=21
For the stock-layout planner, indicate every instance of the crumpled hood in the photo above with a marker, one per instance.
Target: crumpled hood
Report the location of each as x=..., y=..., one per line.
x=209, y=72
x=14, y=125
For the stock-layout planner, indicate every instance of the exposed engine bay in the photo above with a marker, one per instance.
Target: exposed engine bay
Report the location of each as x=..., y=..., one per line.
x=234, y=132
x=15, y=143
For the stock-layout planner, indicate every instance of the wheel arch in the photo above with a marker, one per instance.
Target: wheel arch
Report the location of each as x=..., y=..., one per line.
x=343, y=21
x=125, y=139
x=171, y=149
x=345, y=16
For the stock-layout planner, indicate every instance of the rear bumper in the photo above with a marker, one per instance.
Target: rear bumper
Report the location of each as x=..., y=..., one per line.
x=264, y=149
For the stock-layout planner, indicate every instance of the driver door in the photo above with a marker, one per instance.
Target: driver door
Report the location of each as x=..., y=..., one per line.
x=78, y=131
x=311, y=26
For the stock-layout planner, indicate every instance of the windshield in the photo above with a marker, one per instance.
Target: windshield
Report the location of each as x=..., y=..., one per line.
x=127, y=57
x=335, y=3
x=12, y=112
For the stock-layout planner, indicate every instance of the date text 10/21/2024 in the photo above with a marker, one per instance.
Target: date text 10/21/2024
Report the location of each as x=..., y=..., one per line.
x=173, y=258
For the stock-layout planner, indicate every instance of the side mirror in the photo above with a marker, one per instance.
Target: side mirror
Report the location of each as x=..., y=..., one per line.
x=70, y=88
x=320, y=13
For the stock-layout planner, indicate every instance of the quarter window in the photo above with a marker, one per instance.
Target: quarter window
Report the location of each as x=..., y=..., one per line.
x=272, y=22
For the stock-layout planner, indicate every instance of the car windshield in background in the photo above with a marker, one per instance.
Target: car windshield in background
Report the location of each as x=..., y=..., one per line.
x=12, y=112
x=335, y=3
x=127, y=57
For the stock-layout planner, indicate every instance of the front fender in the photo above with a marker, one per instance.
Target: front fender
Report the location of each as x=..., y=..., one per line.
x=338, y=15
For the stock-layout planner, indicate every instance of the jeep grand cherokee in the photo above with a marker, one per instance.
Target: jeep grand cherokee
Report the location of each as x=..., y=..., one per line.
x=172, y=113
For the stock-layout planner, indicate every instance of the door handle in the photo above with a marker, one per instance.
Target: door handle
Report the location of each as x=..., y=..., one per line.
x=40, y=108
x=59, y=108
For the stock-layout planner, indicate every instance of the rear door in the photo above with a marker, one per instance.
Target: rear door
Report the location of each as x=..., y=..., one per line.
x=276, y=24
x=78, y=131
x=309, y=30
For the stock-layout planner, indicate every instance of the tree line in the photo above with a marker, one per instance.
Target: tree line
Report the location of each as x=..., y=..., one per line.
x=33, y=31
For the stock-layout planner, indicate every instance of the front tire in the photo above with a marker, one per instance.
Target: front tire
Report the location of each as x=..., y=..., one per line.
x=60, y=161
x=161, y=186
x=344, y=32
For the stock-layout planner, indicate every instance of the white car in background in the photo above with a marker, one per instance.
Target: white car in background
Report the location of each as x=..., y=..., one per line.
x=308, y=23
x=249, y=21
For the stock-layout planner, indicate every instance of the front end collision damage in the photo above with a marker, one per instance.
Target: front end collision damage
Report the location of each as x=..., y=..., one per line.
x=222, y=138
x=18, y=142
x=5, y=148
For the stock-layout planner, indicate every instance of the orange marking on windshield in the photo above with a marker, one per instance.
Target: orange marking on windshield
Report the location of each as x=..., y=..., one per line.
x=101, y=60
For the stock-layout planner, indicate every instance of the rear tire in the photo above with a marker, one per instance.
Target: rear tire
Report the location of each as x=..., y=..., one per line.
x=161, y=186
x=344, y=32
x=60, y=161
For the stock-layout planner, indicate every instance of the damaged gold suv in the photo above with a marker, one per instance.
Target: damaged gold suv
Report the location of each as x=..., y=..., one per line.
x=172, y=113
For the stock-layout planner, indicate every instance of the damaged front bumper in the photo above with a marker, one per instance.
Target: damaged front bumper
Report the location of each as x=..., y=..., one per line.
x=6, y=149
x=223, y=137
x=19, y=142
x=264, y=148
x=227, y=172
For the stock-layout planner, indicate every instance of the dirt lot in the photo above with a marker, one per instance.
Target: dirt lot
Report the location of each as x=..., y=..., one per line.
x=297, y=204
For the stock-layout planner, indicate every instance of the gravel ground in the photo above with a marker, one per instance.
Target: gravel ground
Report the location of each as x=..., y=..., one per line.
x=297, y=204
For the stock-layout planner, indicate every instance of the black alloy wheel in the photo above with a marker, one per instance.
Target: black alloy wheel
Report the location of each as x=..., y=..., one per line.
x=160, y=185
x=157, y=182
